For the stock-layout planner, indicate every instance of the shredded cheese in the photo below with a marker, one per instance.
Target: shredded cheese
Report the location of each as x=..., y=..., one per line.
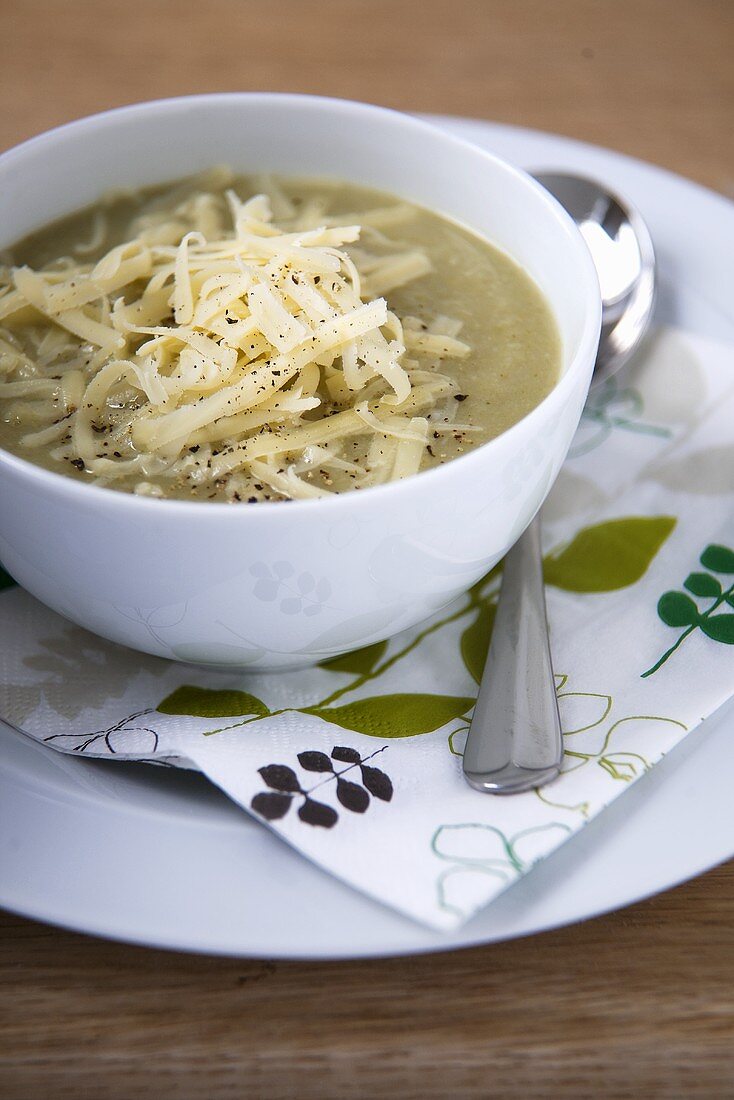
x=257, y=360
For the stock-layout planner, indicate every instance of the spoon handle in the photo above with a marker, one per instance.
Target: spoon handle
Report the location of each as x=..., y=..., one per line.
x=515, y=740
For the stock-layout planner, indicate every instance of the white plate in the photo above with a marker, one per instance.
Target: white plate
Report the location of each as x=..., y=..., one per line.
x=161, y=858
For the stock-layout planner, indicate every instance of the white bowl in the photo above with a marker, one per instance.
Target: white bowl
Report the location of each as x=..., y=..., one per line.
x=279, y=585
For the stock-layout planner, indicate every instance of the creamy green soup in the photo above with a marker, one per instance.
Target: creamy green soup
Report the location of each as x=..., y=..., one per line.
x=240, y=365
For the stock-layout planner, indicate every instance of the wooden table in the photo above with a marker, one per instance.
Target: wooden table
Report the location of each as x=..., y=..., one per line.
x=639, y=1003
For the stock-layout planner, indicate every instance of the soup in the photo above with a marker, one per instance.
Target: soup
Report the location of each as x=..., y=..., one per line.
x=243, y=339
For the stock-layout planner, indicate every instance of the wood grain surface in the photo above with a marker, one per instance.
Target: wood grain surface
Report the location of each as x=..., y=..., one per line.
x=635, y=1004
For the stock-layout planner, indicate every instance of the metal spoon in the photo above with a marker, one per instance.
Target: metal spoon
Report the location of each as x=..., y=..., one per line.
x=515, y=740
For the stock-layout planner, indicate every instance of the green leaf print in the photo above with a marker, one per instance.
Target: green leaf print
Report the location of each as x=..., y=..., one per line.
x=623, y=766
x=718, y=558
x=702, y=584
x=479, y=853
x=359, y=661
x=475, y=640
x=395, y=715
x=609, y=408
x=676, y=609
x=720, y=628
x=609, y=555
x=205, y=703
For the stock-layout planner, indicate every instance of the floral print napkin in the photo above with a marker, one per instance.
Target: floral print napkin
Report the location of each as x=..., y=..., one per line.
x=357, y=762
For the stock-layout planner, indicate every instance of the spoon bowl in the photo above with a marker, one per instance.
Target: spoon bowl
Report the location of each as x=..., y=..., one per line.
x=623, y=254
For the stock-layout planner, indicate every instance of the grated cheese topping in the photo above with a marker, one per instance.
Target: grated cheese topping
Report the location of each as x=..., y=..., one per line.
x=219, y=349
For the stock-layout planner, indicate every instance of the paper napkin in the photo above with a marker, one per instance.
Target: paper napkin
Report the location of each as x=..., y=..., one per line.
x=357, y=762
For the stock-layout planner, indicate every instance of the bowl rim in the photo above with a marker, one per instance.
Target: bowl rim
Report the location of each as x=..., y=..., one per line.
x=64, y=486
